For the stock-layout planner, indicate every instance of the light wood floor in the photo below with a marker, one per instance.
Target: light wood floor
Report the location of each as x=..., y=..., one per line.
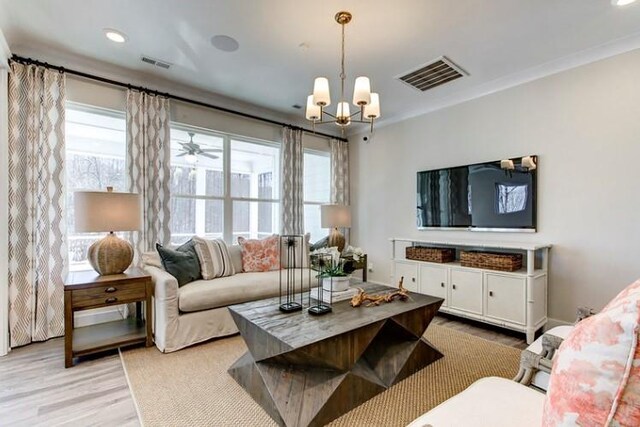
x=36, y=389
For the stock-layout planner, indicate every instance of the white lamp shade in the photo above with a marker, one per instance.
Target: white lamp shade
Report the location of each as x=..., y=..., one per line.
x=372, y=111
x=321, y=92
x=362, y=91
x=335, y=216
x=313, y=110
x=343, y=110
x=107, y=211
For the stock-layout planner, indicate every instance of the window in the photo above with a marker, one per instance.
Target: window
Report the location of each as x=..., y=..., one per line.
x=201, y=201
x=317, y=191
x=96, y=148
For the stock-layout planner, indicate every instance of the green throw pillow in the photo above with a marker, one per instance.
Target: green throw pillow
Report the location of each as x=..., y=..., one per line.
x=182, y=263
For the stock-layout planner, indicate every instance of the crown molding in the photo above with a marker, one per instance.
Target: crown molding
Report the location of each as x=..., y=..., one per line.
x=578, y=59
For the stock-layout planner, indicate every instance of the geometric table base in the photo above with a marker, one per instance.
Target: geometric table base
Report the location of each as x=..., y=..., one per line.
x=314, y=384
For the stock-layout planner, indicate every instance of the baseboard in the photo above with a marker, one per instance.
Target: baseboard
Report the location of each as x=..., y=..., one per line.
x=100, y=315
x=552, y=323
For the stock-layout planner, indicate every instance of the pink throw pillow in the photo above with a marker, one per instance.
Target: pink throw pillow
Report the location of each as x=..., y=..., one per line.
x=260, y=254
x=595, y=379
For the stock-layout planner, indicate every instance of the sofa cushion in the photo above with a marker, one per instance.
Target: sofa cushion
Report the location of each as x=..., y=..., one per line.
x=242, y=287
x=260, y=254
x=489, y=402
x=595, y=378
x=215, y=260
x=182, y=263
x=235, y=251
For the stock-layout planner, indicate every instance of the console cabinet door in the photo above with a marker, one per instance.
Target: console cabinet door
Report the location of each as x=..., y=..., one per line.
x=408, y=270
x=434, y=281
x=466, y=290
x=506, y=297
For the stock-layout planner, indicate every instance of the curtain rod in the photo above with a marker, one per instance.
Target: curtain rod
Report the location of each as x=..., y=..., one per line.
x=29, y=61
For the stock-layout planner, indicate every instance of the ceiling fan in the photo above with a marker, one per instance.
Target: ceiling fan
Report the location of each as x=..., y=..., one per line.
x=191, y=151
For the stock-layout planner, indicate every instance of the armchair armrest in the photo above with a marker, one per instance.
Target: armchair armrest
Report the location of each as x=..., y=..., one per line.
x=166, y=286
x=531, y=362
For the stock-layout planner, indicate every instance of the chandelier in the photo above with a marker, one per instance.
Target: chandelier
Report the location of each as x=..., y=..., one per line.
x=367, y=102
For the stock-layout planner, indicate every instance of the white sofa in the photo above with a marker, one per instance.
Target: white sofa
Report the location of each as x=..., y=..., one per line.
x=197, y=311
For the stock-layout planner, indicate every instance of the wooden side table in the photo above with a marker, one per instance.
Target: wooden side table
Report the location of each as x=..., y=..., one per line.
x=86, y=290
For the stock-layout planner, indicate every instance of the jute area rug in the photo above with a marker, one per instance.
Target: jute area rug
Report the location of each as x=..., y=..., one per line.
x=191, y=387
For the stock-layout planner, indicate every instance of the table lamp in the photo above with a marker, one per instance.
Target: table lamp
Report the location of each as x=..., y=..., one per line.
x=97, y=211
x=334, y=216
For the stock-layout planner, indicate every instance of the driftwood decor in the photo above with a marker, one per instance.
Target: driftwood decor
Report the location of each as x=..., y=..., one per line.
x=376, y=299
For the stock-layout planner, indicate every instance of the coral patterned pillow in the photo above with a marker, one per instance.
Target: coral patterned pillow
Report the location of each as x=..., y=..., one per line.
x=595, y=379
x=260, y=255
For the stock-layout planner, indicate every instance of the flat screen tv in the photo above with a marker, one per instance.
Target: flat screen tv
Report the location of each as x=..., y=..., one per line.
x=492, y=196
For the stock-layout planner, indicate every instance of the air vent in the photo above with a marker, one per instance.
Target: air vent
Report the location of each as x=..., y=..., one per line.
x=434, y=74
x=156, y=62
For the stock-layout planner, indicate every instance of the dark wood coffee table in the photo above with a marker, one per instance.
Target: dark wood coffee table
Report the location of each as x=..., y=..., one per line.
x=307, y=370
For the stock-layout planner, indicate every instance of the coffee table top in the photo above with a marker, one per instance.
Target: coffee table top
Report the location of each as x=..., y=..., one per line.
x=300, y=328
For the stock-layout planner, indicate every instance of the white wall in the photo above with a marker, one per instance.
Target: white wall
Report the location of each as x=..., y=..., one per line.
x=585, y=126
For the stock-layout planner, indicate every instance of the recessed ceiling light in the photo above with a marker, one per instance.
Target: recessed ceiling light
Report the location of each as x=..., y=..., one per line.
x=622, y=2
x=115, y=35
x=225, y=43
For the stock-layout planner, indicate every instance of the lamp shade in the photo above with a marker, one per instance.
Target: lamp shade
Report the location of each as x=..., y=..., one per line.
x=362, y=91
x=372, y=110
x=313, y=110
x=97, y=211
x=343, y=110
x=321, y=91
x=335, y=216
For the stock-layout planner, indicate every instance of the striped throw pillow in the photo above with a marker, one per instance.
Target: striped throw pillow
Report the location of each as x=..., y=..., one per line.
x=215, y=260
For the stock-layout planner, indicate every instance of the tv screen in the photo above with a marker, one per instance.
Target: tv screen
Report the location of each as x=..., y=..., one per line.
x=493, y=195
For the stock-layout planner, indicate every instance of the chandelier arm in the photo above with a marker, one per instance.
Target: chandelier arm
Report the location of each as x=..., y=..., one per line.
x=329, y=114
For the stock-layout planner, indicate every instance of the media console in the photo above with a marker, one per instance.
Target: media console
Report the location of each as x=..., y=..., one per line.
x=513, y=300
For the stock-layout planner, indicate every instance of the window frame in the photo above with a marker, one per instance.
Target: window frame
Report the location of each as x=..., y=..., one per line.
x=226, y=198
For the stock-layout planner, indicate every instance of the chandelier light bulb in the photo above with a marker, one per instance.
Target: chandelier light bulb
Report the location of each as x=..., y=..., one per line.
x=362, y=91
x=313, y=110
x=622, y=2
x=321, y=95
x=372, y=111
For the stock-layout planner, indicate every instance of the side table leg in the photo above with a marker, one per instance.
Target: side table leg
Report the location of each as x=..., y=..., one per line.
x=68, y=330
x=148, y=314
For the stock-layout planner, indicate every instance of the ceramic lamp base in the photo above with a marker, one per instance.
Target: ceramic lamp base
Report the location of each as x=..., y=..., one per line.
x=111, y=255
x=336, y=239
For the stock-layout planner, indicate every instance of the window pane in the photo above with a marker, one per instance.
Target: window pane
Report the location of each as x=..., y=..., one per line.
x=317, y=177
x=255, y=220
x=196, y=164
x=254, y=169
x=95, y=159
x=312, y=223
x=190, y=217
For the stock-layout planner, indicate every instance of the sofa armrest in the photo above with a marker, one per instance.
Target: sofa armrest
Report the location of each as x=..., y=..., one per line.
x=165, y=285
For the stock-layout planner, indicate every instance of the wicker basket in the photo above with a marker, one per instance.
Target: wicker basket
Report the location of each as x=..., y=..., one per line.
x=491, y=261
x=423, y=253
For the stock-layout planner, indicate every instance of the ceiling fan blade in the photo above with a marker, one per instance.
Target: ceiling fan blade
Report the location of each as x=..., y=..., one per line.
x=211, y=156
x=211, y=150
x=182, y=154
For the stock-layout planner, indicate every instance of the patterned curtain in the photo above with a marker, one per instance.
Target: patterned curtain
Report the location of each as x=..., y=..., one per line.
x=149, y=167
x=37, y=235
x=339, y=172
x=292, y=177
x=340, y=176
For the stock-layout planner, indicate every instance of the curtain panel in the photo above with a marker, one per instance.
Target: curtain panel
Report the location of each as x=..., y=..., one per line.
x=292, y=182
x=340, y=176
x=37, y=237
x=149, y=167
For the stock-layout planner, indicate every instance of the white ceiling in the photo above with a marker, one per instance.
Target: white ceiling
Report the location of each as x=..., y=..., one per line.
x=498, y=42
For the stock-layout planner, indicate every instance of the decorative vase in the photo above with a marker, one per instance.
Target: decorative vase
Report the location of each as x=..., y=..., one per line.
x=336, y=284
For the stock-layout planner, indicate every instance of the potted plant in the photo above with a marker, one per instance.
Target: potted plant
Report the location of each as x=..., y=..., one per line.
x=335, y=276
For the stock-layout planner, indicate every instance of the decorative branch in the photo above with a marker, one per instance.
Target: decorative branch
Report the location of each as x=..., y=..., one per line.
x=374, y=300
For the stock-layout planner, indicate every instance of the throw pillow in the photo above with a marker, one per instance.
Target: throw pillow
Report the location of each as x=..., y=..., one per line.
x=260, y=254
x=182, y=263
x=215, y=260
x=300, y=258
x=595, y=378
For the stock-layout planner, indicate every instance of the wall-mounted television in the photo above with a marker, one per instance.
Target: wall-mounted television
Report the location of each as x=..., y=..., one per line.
x=492, y=196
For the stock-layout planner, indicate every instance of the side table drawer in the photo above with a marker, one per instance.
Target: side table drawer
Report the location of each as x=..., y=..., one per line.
x=108, y=295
